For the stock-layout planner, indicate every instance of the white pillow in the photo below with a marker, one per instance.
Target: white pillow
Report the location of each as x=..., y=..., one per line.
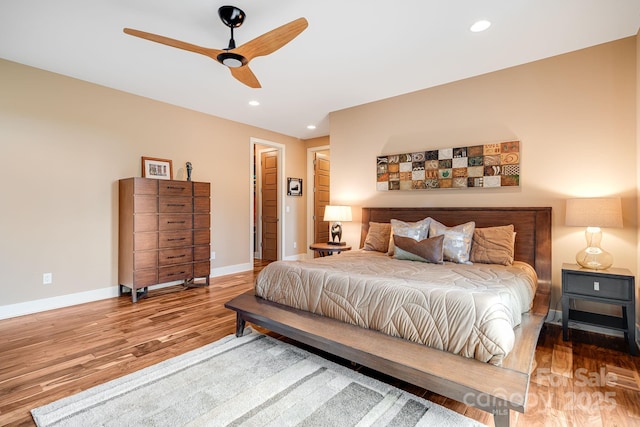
x=457, y=240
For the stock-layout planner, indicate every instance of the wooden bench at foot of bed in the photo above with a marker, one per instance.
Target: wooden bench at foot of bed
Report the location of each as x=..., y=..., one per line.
x=495, y=389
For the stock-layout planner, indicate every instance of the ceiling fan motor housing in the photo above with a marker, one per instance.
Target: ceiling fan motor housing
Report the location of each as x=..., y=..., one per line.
x=232, y=60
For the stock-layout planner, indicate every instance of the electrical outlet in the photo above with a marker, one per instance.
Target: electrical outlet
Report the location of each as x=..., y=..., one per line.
x=213, y=255
x=295, y=245
x=47, y=278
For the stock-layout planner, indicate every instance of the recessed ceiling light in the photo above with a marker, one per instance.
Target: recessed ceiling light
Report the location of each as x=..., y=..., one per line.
x=311, y=127
x=254, y=103
x=480, y=26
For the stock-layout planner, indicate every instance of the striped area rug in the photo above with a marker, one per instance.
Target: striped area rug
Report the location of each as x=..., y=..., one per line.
x=250, y=381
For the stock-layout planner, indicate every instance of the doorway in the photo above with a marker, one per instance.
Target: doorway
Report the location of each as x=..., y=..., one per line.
x=318, y=168
x=267, y=184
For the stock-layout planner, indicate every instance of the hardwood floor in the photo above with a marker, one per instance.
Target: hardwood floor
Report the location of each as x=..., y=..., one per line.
x=588, y=381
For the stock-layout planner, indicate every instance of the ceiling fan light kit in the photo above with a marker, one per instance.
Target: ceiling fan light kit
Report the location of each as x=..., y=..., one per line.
x=236, y=59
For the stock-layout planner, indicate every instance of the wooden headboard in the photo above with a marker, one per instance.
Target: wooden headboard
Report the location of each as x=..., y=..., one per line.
x=532, y=226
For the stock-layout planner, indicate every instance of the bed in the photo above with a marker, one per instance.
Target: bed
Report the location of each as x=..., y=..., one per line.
x=497, y=387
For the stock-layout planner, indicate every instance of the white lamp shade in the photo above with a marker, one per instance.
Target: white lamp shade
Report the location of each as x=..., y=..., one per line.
x=337, y=213
x=594, y=212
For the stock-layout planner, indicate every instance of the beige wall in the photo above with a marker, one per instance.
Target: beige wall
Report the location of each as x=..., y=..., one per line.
x=574, y=114
x=65, y=143
x=638, y=178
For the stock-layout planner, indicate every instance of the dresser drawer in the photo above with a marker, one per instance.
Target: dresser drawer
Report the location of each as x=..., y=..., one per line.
x=201, y=237
x=175, y=188
x=202, y=189
x=201, y=204
x=175, y=272
x=201, y=269
x=175, y=222
x=145, y=241
x=598, y=286
x=145, y=278
x=145, y=222
x=201, y=221
x=175, y=205
x=175, y=256
x=145, y=204
x=174, y=239
x=145, y=186
x=145, y=259
x=201, y=253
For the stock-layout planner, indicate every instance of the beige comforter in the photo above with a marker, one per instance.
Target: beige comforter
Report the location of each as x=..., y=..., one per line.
x=469, y=310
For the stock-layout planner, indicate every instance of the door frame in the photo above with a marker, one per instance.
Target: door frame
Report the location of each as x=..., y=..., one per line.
x=310, y=203
x=281, y=185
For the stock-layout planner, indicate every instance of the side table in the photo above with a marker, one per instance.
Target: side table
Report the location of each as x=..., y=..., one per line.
x=325, y=249
x=614, y=286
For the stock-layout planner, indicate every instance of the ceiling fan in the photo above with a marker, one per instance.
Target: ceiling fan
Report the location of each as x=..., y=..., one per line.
x=236, y=58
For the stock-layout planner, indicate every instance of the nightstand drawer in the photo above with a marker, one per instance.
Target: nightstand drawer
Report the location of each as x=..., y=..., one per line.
x=598, y=286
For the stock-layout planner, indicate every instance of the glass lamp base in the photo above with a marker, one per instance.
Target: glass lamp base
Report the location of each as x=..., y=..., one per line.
x=594, y=258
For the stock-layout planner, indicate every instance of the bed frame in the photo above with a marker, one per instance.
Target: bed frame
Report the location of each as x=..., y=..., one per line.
x=495, y=389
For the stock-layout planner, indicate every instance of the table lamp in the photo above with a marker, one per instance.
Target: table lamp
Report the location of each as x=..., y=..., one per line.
x=594, y=213
x=337, y=214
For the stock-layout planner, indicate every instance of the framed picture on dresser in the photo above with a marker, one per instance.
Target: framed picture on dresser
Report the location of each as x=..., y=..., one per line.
x=153, y=167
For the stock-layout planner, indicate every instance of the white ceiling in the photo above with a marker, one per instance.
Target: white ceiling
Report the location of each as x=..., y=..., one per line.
x=353, y=52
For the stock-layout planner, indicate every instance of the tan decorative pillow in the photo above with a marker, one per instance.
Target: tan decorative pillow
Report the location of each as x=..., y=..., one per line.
x=427, y=250
x=418, y=230
x=493, y=245
x=457, y=240
x=378, y=237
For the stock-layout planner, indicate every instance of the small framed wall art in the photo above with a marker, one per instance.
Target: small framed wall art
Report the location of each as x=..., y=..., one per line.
x=294, y=186
x=155, y=168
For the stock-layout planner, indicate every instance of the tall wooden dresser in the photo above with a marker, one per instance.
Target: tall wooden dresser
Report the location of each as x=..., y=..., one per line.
x=164, y=233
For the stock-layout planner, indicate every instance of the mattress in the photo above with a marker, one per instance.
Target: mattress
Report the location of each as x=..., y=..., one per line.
x=470, y=310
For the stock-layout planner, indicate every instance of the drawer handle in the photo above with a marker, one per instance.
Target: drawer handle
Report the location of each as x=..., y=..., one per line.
x=171, y=187
x=176, y=239
x=176, y=274
x=176, y=222
x=176, y=204
x=176, y=256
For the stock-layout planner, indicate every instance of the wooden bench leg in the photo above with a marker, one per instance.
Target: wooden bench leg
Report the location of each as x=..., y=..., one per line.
x=240, y=323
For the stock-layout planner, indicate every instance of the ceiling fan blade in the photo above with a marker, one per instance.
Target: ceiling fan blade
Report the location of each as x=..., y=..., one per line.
x=211, y=53
x=245, y=75
x=273, y=40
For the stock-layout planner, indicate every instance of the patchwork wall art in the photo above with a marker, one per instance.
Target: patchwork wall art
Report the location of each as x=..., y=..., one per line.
x=478, y=166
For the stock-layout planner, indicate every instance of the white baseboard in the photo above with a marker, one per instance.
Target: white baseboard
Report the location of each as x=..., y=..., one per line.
x=230, y=269
x=45, y=304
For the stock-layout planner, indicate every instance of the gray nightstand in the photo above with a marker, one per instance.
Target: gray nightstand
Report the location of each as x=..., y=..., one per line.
x=613, y=286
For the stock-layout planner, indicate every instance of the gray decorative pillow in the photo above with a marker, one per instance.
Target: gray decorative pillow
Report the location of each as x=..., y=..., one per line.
x=418, y=230
x=493, y=245
x=427, y=250
x=457, y=240
x=378, y=237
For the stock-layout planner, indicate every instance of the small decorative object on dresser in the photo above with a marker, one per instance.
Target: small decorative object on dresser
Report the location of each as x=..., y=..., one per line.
x=615, y=286
x=189, y=169
x=157, y=168
x=164, y=233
